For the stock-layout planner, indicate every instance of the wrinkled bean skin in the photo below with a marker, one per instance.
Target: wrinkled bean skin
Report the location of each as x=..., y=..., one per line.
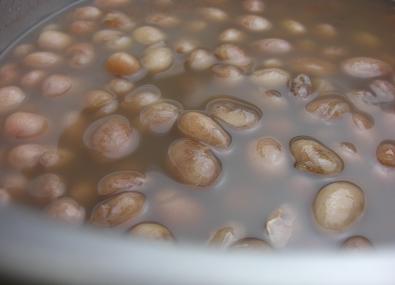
x=236, y=113
x=301, y=86
x=312, y=156
x=151, y=231
x=112, y=137
x=329, y=107
x=46, y=188
x=160, y=117
x=66, y=210
x=192, y=163
x=223, y=237
x=365, y=67
x=251, y=244
x=118, y=209
x=24, y=125
x=11, y=97
x=386, y=153
x=338, y=206
x=120, y=181
x=357, y=243
x=201, y=127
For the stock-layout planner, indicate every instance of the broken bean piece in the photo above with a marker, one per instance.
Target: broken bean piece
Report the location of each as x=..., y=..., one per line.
x=280, y=226
x=198, y=126
x=312, y=156
x=120, y=181
x=118, y=209
x=151, y=231
x=338, y=206
x=251, y=244
x=329, y=107
x=223, y=237
x=362, y=121
x=193, y=163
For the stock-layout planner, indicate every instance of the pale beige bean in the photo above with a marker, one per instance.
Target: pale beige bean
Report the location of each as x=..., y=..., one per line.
x=148, y=35
x=231, y=35
x=365, y=67
x=80, y=55
x=157, y=59
x=151, y=231
x=33, y=78
x=26, y=156
x=223, y=237
x=357, y=243
x=24, y=125
x=54, y=40
x=112, y=137
x=141, y=97
x=301, y=86
x=55, y=158
x=232, y=54
x=329, y=107
x=57, y=85
x=338, y=206
x=235, y=113
x=193, y=163
x=254, y=23
x=122, y=64
x=118, y=20
x=120, y=86
x=313, y=66
x=46, y=188
x=118, y=209
x=271, y=78
x=11, y=97
x=200, y=59
x=87, y=13
x=22, y=50
x=314, y=157
x=66, y=210
x=251, y=244
x=160, y=117
x=272, y=46
x=280, y=226
x=293, y=27
x=112, y=39
x=42, y=59
x=120, y=181
x=265, y=154
x=385, y=153
x=228, y=73
x=199, y=126
x=184, y=45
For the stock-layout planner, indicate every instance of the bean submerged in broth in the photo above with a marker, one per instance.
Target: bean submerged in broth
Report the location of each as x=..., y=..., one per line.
x=115, y=96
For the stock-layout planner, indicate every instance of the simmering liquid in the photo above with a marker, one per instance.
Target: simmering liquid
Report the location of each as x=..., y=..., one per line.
x=273, y=120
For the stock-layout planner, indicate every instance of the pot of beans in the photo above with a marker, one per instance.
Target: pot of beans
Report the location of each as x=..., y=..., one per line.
x=197, y=142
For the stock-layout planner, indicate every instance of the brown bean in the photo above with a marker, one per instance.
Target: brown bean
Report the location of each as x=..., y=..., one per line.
x=122, y=64
x=9, y=73
x=192, y=163
x=120, y=86
x=55, y=158
x=200, y=59
x=151, y=231
x=26, y=156
x=236, y=113
x=112, y=137
x=24, y=125
x=338, y=205
x=66, y=210
x=223, y=237
x=313, y=66
x=11, y=97
x=184, y=45
x=157, y=59
x=120, y=181
x=293, y=27
x=314, y=157
x=362, y=121
x=272, y=46
x=82, y=27
x=112, y=39
x=57, y=85
x=270, y=78
x=141, y=97
x=148, y=35
x=254, y=23
x=118, y=20
x=383, y=92
x=87, y=13
x=365, y=67
x=100, y=102
x=80, y=55
x=226, y=72
x=54, y=40
x=251, y=244
x=386, y=153
x=118, y=209
x=160, y=117
x=280, y=226
x=231, y=35
x=232, y=54
x=301, y=86
x=330, y=107
x=201, y=127
x=33, y=78
x=357, y=243
x=43, y=59
x=46, y=188
x=253, y=6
